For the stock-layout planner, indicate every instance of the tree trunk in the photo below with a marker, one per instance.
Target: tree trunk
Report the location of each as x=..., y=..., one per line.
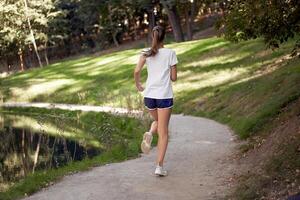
x=113, y=32
x=151, y=24
x=189, y=19
x=174, y=21
x=193, y=15
x=114, y=36
x=31, y=34
x=189, y=31
x=7, y=65
x=135, y=33
x=21, y=59
x=46, y=53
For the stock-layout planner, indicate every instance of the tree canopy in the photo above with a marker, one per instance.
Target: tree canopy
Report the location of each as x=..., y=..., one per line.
x=32, y=30
x=274, y=20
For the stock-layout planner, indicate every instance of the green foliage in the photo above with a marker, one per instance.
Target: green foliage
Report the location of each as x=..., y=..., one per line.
x=116, y=17
x=276, y=21
x=14, y=30
x=73, y=25
x=12, y=26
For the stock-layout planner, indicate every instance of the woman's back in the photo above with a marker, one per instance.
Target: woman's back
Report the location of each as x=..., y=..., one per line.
x=158, y=84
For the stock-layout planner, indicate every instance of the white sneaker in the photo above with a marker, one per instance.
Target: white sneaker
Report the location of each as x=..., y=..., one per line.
x=146, y=143
x=159, y=171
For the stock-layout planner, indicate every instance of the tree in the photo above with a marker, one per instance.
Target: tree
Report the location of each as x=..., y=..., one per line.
x=32, y=38
x=43, y=14
x=275, y=21
x=25, y=24
x=12, y=26
x=115, y=18
x=189, y=7
x=174, y=19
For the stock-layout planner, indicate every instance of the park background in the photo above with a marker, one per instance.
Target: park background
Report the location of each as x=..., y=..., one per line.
x=238, y=64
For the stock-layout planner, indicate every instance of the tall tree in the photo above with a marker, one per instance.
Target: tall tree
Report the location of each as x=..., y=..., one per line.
x=32, y=38
x=25, y=24
x=12, y=26
x=174, y=18
x=189, y=7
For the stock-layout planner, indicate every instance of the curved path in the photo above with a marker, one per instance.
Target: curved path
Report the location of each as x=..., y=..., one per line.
x=198, y=160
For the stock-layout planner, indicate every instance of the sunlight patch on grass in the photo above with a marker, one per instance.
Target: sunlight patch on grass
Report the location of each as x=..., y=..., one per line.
x=224, y=59
x=107, y=60
x=40, y=88
x=76, y=88
x=202, y=80
x=184, y=47
x=55, y=64
x=94, y=72
x=81, y=64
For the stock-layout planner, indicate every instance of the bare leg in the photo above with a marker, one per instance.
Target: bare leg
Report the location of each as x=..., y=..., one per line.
x=147, y=138
x=163, y=124
x=153, y=128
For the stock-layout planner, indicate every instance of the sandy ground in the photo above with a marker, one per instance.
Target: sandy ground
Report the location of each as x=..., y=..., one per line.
x=199, y=162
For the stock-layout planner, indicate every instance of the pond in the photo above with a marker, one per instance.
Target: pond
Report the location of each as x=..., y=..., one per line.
x=30, y=144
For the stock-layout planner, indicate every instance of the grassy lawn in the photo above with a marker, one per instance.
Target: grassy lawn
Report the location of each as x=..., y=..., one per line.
x=242, y=84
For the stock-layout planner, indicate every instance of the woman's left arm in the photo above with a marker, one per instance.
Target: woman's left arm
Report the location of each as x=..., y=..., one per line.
x=137, y=73
x=173, y=74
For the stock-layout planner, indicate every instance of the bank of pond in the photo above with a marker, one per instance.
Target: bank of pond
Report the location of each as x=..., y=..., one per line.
x=37, y=146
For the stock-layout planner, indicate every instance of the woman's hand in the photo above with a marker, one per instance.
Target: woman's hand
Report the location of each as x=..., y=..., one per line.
x=139, y=87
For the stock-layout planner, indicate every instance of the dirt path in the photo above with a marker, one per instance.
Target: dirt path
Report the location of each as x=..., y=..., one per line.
x=198, y=162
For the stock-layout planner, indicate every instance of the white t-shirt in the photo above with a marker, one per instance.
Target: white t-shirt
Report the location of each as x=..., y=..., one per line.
x=158, y=84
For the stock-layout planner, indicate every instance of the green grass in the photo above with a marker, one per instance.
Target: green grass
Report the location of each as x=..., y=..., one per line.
x=243, y=84
x=102, y=80
x=126, y=134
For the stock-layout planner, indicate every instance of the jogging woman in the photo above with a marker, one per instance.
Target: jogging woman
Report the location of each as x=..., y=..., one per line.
x=158, y=93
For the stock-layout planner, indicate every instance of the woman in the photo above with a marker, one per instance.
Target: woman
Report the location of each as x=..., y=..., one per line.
x=158, y=94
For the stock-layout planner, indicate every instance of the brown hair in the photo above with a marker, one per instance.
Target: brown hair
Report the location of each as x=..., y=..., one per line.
x=158, y=35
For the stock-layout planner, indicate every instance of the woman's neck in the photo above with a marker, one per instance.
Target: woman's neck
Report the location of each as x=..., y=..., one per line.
x=161, y=45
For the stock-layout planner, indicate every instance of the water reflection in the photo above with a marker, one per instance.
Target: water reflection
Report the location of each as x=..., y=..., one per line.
x=28, y=145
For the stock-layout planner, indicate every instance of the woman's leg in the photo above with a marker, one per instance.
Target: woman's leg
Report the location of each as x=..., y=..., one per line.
x=147, y=138
x=153, y=128
x=163, y=129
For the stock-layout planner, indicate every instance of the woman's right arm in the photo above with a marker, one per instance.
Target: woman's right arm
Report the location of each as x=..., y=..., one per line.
x=137, y=73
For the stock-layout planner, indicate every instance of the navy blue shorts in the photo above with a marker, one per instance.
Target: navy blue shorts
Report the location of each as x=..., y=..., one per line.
x=153, y=104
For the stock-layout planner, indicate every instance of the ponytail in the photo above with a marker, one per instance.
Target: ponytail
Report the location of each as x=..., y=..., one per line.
x=154, y=47
x=158, y=35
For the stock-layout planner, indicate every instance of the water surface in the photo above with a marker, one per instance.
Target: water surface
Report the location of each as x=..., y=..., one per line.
x=30, y=144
